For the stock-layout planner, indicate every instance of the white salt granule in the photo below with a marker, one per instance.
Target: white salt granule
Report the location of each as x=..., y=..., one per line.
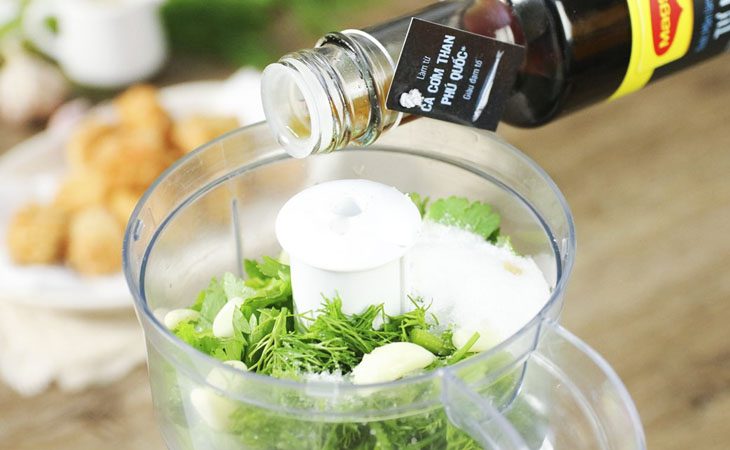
x=324, y=377
x=474, y=284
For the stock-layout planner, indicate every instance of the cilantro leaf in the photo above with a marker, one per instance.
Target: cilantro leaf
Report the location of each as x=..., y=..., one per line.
x=201, y=340
x=229, y=349
x=235, y=287
x=251, y=266
x=210, y=301
x=476, y=217
x=267, y=293
x=240, y=324
x=270, y=287
x=420, y=202
x=272, y=268
x=204, y=341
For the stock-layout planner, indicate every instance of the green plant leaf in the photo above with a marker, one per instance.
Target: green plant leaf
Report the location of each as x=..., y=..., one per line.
x=477, y=217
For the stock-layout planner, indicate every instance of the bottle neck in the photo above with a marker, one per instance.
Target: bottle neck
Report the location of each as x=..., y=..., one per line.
x=322, y=99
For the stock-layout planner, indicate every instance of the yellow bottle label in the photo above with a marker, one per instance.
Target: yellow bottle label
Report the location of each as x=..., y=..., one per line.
x=661, y=32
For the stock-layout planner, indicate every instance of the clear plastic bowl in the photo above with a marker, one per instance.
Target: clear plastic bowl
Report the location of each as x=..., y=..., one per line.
x=541, y=389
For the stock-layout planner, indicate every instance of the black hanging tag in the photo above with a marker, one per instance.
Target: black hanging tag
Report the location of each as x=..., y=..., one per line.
x=454, y=75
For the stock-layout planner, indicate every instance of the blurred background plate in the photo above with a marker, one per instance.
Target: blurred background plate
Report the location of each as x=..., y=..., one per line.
x=32, y=170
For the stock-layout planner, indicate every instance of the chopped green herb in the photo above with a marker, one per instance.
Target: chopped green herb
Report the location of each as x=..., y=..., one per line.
x=461, y=353
x=210, y=301
x=476, y=217
x=268, y=340
x=429, y=341
x=272, y=340
x=204, y=341
x=235, y=287
x=420, y=202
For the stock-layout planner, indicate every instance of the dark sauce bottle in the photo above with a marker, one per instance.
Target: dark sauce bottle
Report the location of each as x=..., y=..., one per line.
x=577, y=53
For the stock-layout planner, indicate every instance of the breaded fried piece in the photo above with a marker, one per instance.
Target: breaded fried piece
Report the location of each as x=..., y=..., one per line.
x=80, y=147
x=128, y=160
x=95, y=242
x=122, y=202
x=192, y=132
x=149, y=136
x=138, y=107
x=111, y=166
x=82, y=188
x=37, y=235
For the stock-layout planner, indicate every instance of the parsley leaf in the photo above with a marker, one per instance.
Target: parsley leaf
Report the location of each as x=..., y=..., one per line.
x=210, y=301
x=476, y=217
x=235, y=287
x=272, y=268
x=204, y=341
x=420, y=202
x=251, y=267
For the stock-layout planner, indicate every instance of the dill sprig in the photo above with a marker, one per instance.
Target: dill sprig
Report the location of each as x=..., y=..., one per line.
x=270, y=339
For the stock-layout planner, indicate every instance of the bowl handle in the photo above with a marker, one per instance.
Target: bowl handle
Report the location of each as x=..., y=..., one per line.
x=479, y=418
x=568, y=397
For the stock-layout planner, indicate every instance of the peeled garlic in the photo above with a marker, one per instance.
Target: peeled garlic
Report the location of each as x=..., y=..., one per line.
x=30, y=87
x=160, y=314
x=223, y=322
x=177, y=316
x=486, y=340
x=213, y=409
x=223, y=379
x=390, y=362
x=236, y=364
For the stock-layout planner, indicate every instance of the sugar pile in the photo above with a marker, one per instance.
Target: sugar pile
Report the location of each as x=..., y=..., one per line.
x=474, y=284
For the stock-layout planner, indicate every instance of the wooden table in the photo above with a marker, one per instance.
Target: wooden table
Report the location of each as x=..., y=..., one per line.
x=648, y=179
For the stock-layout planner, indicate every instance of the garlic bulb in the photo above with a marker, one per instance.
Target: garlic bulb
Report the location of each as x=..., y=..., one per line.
x=30, y=88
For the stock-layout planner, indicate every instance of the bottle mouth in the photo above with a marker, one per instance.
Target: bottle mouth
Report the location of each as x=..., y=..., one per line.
x=296, y=107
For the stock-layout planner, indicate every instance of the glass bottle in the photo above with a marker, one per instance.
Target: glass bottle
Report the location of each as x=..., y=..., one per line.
x=578, y=52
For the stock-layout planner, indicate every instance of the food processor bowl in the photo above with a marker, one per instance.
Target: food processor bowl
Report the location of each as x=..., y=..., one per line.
x=540, y=389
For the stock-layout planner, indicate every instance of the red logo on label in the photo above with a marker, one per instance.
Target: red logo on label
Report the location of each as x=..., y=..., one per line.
x=664, y=19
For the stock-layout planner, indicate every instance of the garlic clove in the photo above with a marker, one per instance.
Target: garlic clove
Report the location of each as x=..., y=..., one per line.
x=213, y=409
x=160, y=314
x=486, y=341
x=391, y=362
x=223, y=322
x=30, y=87
x=177, y=316
x=223, y=379
x=236, y=364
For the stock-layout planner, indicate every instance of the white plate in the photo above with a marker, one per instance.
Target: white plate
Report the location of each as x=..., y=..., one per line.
x=32, y=170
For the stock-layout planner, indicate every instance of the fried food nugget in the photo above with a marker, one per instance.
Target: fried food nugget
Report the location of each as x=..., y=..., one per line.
x=129, y=160
x=192, y=132
x=80, y=189
x=139, y=109
x=111, y=166
x=122, y=202
x=80, y=147
x=37, y=235
x=95, y=242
